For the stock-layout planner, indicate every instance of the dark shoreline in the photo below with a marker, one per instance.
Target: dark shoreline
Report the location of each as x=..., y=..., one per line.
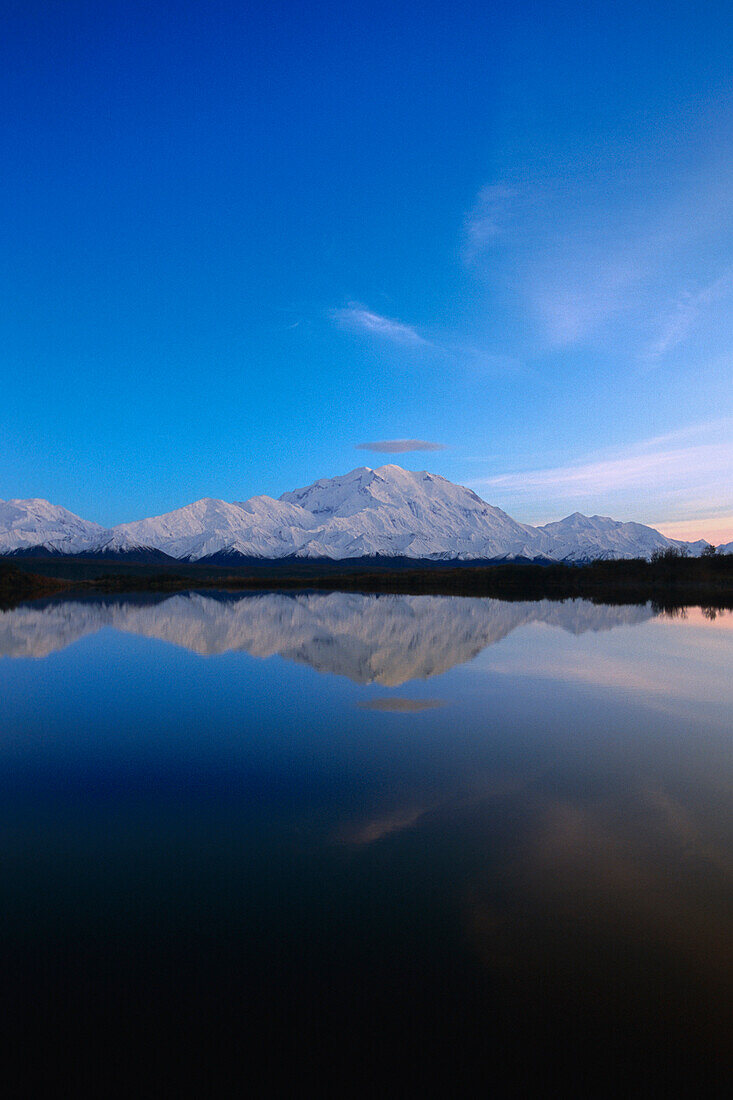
x=667, y=583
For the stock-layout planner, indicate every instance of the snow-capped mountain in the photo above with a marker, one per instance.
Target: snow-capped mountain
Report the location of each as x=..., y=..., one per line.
x=260, y=528
x=37, y=524
x=399, y=513
x=579, y=537
x=387, y=512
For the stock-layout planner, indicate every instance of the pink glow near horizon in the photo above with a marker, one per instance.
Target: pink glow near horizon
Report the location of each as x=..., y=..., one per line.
x=718, y=529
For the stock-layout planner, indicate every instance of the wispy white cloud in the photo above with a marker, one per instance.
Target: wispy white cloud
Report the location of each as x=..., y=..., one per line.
x=566, y=269
x=586, y=264
x=400, y=446
x=356, y=318
x=685, y=475
x=629, y=471
x=721, y=427
x=487, y=219
x=452, y=350
x=687, y=314
x=573, y=305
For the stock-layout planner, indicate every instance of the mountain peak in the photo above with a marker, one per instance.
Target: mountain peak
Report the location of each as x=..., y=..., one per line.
x=393, y=468
x=36, y=522
x=388, y=511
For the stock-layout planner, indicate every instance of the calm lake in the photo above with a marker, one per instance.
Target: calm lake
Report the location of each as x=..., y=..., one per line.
x=461, y=839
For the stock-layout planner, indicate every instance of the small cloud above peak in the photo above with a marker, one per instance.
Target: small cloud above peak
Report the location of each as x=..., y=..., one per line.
x=400, y=446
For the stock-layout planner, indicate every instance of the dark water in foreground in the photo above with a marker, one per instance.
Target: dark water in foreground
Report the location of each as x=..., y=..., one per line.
x=348, y=837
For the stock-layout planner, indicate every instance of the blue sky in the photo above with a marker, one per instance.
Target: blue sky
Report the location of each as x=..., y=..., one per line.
x=240, y=241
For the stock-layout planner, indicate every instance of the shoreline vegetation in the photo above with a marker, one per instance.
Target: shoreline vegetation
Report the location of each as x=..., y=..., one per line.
x=669, y=580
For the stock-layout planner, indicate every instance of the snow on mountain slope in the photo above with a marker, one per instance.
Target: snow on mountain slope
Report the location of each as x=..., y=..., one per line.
x=695, y=549
x=579, y=537
x=118, y=544
x=260, y=527
x=37, y=523
x=388, y=512
x=398, y=512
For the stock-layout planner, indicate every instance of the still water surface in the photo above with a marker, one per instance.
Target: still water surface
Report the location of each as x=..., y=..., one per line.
x=460, y=838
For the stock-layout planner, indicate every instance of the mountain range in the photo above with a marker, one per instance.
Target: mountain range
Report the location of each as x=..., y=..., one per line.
x=387, y=512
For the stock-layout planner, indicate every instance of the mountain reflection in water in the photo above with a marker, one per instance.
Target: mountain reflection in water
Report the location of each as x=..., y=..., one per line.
x=385, y=640
x=520, y=867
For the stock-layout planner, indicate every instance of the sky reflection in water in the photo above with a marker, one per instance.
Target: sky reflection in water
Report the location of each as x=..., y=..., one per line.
x=518, y=813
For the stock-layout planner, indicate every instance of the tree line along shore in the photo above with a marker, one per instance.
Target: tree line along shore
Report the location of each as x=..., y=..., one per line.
x=670, y=579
